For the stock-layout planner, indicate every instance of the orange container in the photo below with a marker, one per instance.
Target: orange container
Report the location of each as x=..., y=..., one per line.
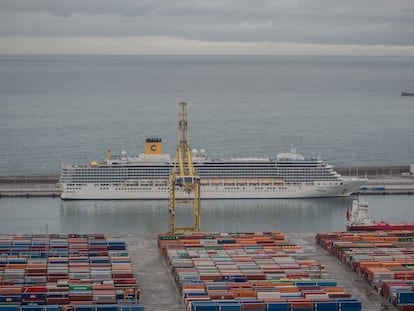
x=243, y=293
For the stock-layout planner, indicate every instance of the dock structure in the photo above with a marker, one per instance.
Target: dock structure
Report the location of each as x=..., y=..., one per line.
x=374, y=171
x=29, y=186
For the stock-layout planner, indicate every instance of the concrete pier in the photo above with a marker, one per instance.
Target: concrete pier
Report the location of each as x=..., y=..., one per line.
x=29, y=186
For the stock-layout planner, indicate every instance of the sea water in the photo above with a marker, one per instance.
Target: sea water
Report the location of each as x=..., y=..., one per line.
x=72, y=109
x=51, y=215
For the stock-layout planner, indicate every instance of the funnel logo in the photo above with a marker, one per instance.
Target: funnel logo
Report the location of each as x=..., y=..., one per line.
x=153, y=148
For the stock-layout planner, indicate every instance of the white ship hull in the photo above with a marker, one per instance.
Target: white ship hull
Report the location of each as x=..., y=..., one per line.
x=146, y=177
x=130, y=192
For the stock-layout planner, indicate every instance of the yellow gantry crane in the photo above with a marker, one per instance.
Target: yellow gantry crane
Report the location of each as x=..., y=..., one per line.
x=184, y=177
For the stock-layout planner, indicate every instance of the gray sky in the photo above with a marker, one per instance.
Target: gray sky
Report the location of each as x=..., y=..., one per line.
x=362, y=27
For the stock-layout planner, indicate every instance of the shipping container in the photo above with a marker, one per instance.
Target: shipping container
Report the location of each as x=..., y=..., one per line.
x=62, y=269
x=258, y=271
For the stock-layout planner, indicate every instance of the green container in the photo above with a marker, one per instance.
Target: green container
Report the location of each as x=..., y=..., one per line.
x=405, y=239
x=183, y=255
x=213, y=247
x=399, y=269
x=80, y=287
x=169, y=237
x=123, y=254
x=253, y=247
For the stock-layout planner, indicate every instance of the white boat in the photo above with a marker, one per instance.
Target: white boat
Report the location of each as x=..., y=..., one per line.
x=146, y=176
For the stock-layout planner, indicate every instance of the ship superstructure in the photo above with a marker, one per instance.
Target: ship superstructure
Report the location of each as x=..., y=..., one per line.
x=146, y=176
x=359, y=220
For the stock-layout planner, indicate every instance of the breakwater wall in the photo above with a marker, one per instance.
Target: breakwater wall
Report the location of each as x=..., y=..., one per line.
x=29, y=186
x=374, y=171
x=381, y=180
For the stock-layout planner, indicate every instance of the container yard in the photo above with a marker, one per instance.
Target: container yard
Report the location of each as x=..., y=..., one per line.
x=66, y=271
x=266, y=271
x=250, y=272
x=384, y=260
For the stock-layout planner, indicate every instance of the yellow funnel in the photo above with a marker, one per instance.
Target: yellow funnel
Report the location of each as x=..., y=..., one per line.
x=153, y=146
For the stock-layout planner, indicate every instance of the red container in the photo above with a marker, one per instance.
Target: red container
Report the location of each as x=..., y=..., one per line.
x=57, y=301
x=34, y=289
x=254, y=306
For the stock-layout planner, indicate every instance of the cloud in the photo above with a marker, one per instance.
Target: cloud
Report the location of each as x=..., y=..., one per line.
x=330, y=22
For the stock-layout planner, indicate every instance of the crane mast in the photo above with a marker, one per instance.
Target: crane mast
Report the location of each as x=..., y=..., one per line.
x=184, y=177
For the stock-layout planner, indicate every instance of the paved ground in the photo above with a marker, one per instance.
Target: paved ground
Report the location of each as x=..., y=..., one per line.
x=158, y=289
x=159, y=292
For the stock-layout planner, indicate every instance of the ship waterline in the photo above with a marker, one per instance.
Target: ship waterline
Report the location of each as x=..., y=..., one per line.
x=146, y=176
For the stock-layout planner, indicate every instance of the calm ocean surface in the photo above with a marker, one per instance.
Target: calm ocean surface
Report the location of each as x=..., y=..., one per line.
x=347, y=110
x=41, y=215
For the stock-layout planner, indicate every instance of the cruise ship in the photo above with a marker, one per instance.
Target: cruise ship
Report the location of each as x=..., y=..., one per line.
x=146, y=176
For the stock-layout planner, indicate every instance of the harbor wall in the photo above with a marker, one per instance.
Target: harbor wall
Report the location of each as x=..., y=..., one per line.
x=374, y=171
x=29, y=186
x=381, y=180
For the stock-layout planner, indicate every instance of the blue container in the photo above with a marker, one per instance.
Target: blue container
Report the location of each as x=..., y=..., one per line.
x=234, y=278
x=51, y=308
x=226, y=241
x=9, y=307
x=278, y=306
x=305, y=284
x=10, y=298
x=204, y=306
x=326, y=283
x=93, y=253
x=132, y=307
x=116, y=245
x=108, y=307
x=325, y=306
x=229, y=306
x=31, y=308
x=85, y=308
x=405, y=297
x=349, y=306
x=99, y=260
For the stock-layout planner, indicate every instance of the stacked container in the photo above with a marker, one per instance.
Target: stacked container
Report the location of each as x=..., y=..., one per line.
x=256, y=271
x=65, y=269
x=383, y=259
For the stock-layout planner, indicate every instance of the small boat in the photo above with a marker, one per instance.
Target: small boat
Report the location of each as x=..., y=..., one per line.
x=407, y=94
x=359, y=220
